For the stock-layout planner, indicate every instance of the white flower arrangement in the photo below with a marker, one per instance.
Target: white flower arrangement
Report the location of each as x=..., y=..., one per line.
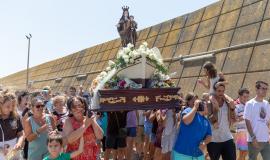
x=126, y=56
x=111, y=63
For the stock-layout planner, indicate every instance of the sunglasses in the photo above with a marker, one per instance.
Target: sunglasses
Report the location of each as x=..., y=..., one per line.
x=40, y=106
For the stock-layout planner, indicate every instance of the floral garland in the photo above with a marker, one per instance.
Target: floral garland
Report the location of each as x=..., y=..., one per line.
x=121, y=83
x=127, y=56
x=160, y=80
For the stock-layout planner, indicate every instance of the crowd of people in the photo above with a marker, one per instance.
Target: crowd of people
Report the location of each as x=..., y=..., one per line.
x=44, y=125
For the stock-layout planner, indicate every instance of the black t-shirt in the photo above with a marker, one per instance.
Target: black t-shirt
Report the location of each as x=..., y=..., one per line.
x=116, y=120
x=10, y=126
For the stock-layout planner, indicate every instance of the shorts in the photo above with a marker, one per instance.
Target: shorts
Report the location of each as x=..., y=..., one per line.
x=148, y=128
x=131, y=131
x=178, y=156
x=241, y=141
x=114, y=142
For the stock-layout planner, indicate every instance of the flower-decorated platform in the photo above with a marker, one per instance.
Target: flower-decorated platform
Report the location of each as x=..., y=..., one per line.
x=137, y=79
x=145, y=98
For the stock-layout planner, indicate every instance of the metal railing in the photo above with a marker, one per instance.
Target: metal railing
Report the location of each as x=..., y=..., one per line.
x=226, y=49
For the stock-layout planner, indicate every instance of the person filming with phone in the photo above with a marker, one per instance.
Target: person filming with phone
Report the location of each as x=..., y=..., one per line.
x=195, y=130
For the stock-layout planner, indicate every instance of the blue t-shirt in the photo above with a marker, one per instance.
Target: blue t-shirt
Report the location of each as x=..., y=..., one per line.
x=103, y=122
x=190, y=136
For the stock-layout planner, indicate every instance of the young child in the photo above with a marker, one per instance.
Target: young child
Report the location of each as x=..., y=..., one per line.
x=55, y=147
x=213, y=78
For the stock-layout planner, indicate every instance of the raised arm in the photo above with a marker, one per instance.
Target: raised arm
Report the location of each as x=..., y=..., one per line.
x=97, y=129
x=80, y=149
x=205, y=84
x=152, y=115
x=188, y=118
x=230, y=101
x=147, y=113
x=72, y=135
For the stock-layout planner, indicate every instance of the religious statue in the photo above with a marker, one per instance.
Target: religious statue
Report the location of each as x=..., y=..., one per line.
x=127, y=28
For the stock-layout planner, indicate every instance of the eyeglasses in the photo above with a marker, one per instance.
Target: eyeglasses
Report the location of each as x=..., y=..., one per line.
x=40, y=106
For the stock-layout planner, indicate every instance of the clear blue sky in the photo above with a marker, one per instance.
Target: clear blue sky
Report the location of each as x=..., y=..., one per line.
x=62, y=27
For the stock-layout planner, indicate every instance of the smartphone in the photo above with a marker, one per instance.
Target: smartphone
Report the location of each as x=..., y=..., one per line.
x=89, y=114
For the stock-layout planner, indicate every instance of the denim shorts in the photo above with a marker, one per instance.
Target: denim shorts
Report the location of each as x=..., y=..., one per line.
x=148, y=128
x=131, y=131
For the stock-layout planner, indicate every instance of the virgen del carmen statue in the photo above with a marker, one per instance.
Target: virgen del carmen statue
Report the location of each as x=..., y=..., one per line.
x=126, y=28
x=137, y=79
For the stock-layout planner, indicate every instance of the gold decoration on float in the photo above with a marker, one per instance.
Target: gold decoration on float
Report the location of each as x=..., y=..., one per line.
x=113, y=100
x=140, y=99
x=166, y=98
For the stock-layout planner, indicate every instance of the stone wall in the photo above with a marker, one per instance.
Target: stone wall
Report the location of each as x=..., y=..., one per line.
x=222, y=24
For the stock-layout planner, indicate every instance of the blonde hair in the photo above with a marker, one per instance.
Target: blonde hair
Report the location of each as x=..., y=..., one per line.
x=57, y=99
x=5, y=97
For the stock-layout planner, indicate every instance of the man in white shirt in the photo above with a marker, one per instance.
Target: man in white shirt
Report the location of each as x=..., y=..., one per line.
x=257, y=116
x=222, y=143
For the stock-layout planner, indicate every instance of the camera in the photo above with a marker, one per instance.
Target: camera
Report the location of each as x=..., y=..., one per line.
x=201, y=106
x=89, y=113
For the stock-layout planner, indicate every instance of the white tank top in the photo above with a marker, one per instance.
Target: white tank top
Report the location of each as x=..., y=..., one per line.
x=213, y=81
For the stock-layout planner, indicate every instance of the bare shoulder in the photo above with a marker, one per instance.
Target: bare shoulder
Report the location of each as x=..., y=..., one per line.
x=27, y=119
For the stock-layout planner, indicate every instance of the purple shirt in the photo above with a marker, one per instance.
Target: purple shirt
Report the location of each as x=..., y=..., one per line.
x=131, y=119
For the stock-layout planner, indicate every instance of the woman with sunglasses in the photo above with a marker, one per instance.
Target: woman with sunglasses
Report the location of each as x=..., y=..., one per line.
x=37, y=128
x=11, y=130
x=79, y=125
